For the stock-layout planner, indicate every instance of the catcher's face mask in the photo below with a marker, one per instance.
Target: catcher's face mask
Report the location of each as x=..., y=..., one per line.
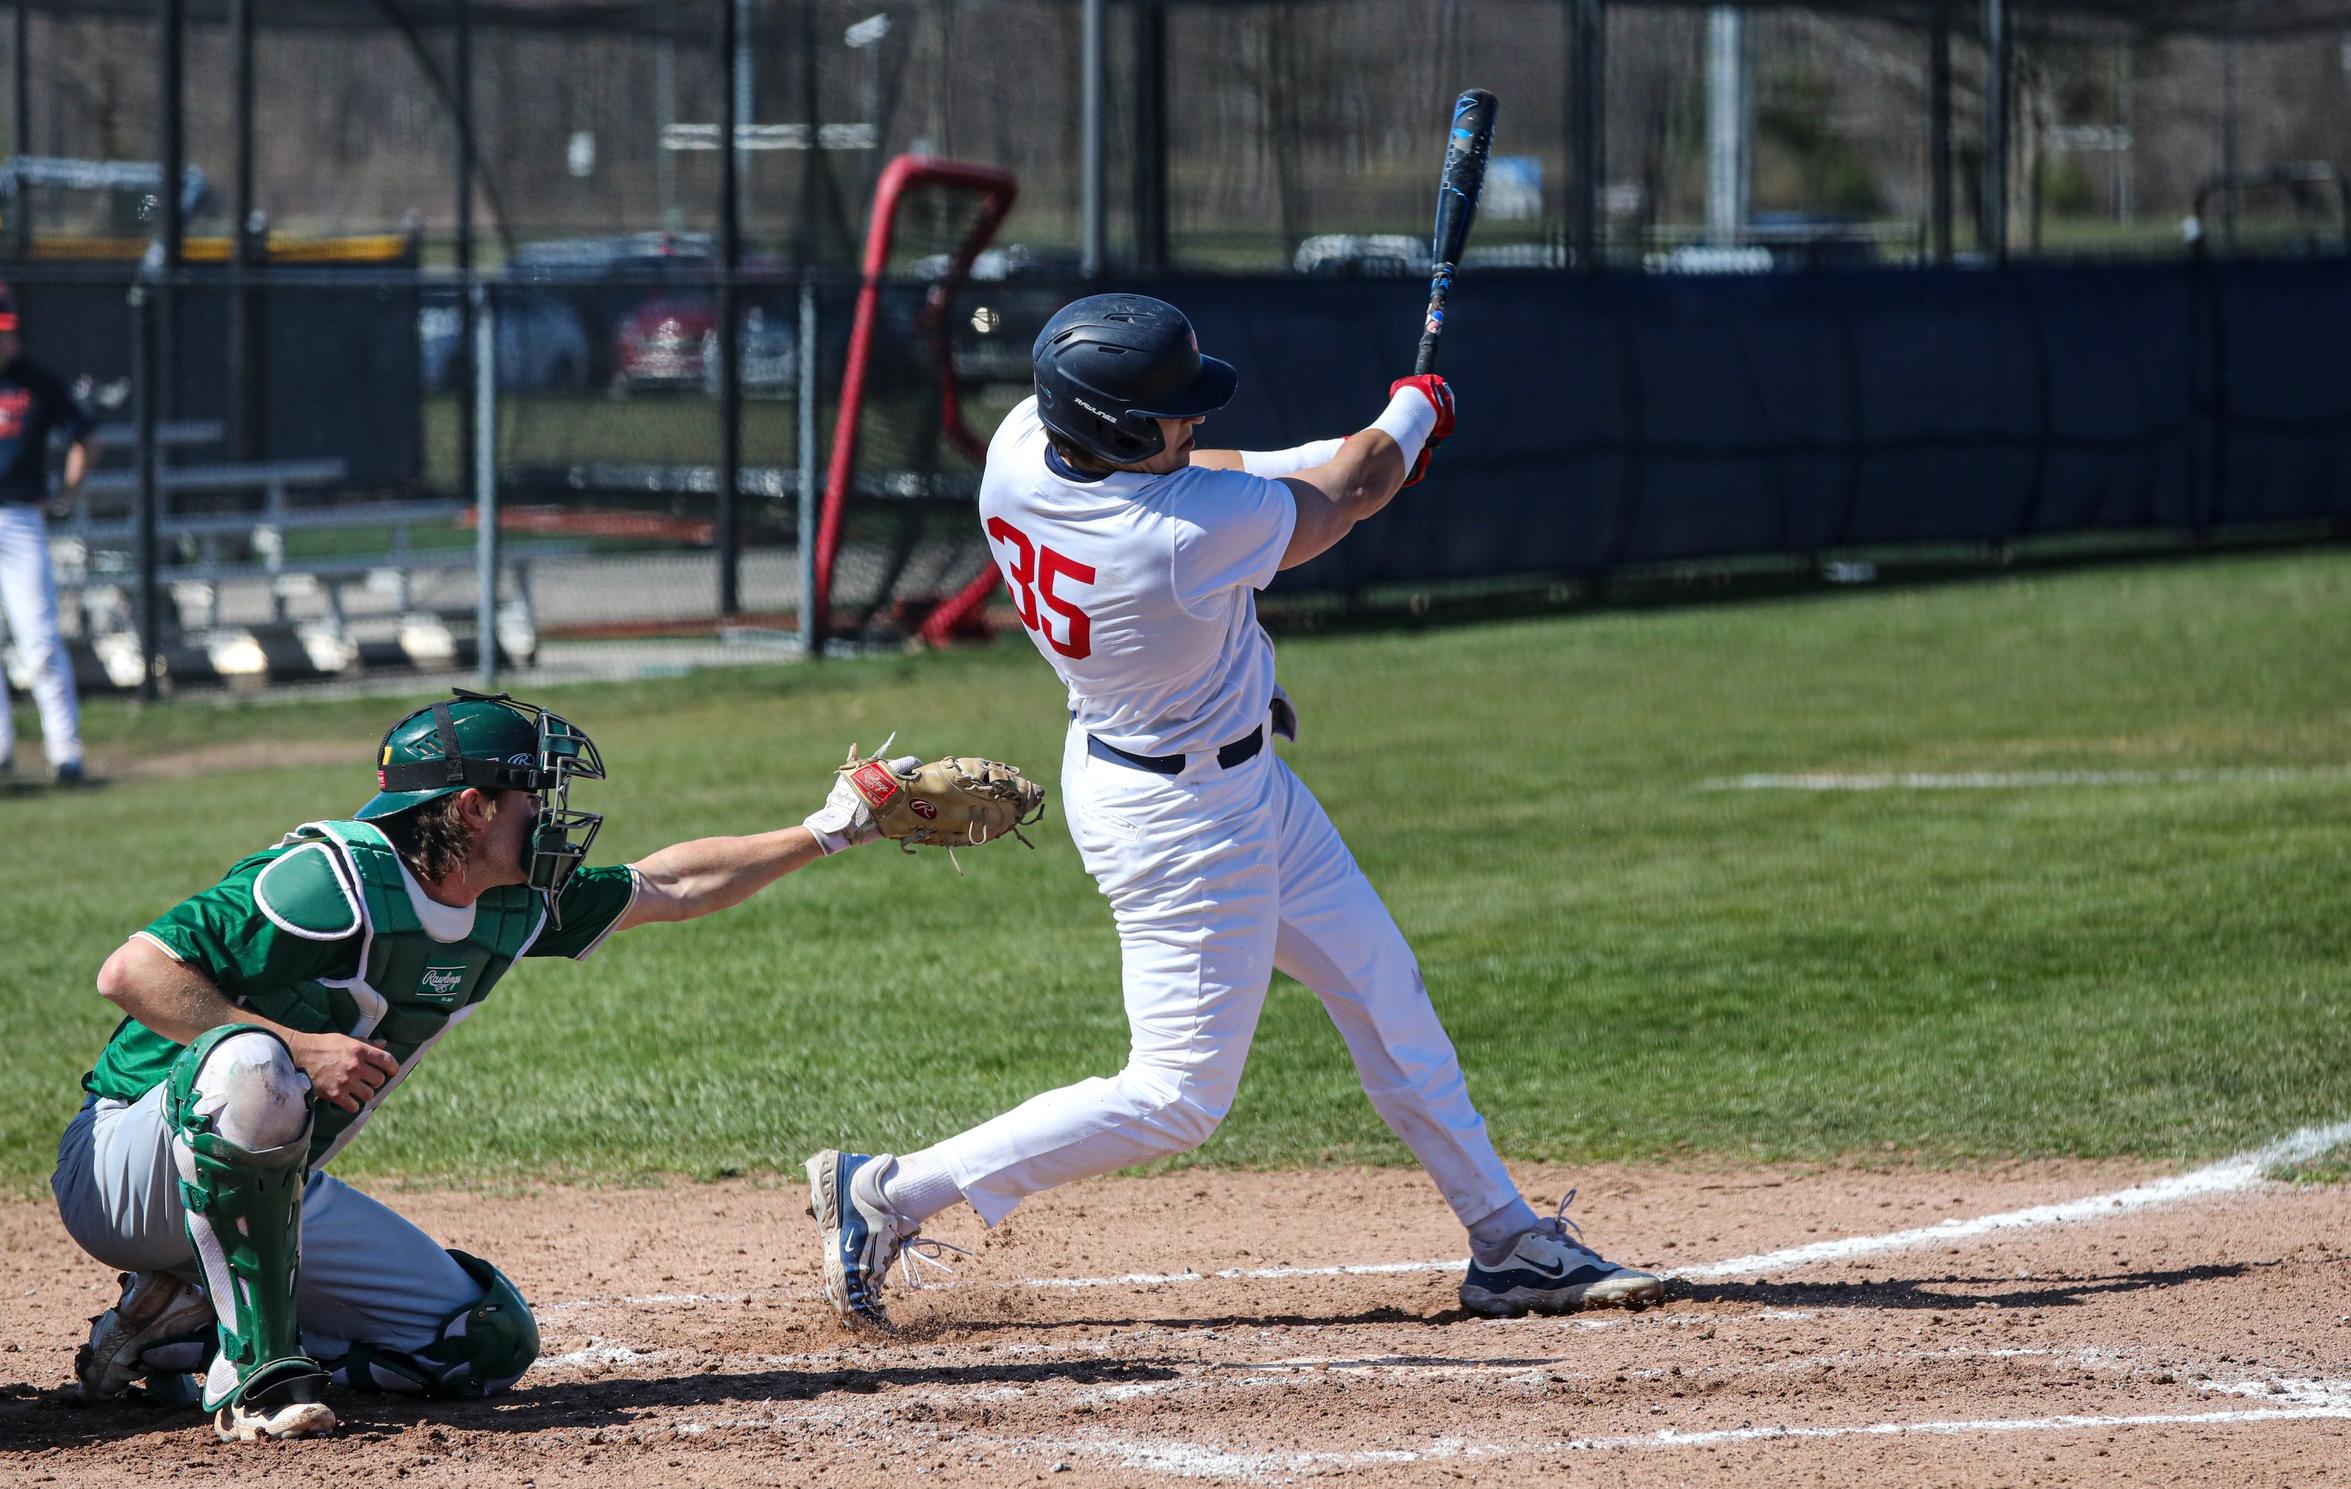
x=560, y=837
x=493, y=743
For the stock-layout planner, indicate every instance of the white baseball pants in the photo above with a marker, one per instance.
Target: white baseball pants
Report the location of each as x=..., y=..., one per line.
x=1216, y=878
x=28, y=597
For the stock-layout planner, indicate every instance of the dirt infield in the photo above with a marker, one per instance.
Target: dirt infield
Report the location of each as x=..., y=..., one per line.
x=2206, y=1340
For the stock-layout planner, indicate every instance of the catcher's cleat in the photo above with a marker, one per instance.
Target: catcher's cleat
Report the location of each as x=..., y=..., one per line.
x=156, y=1309
x=279, y=1402
x=1550, y=1270
x=862, y=1235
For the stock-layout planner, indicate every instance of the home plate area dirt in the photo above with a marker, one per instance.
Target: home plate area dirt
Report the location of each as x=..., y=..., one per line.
x=1195, y=1326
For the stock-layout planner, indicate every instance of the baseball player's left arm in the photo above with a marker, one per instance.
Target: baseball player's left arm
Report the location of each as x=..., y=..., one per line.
x=1370, y=468
x=1271, y=464
x=79, y=457
x=81, y=443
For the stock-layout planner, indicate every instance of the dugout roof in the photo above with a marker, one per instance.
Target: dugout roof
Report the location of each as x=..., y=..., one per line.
x=2146, y=18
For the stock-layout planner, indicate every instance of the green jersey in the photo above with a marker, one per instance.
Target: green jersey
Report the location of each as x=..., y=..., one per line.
x=329, y=933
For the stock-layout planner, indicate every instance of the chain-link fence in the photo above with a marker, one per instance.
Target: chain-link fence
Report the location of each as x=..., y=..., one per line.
x=1243, y=136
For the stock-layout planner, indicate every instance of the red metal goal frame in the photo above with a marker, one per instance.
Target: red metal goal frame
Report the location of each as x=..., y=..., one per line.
x=898, y=177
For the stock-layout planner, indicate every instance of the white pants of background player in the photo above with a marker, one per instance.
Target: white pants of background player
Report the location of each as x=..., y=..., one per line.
x=365, y=1273
x=1216, y=878
x=28, y=597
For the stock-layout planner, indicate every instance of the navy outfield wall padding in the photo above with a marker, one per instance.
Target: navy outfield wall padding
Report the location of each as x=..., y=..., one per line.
x=1612, y=421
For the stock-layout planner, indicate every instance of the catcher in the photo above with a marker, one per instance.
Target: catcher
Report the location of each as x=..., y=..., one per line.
x=269, y=1016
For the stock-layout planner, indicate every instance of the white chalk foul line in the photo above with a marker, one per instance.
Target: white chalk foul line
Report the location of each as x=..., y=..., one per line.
x=2309, y=1400
x=600, y=1354
x=1992, y=780
x=1199, y=1461
x=1254, y=1274
x=2227, y=1176
x=1672, y=1439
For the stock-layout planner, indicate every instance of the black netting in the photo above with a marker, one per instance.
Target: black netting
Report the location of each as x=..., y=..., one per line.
x=947, y=354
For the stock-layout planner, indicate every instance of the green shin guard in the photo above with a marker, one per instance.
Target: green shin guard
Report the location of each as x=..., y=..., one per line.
x=482, y=1347
x=245, y=1223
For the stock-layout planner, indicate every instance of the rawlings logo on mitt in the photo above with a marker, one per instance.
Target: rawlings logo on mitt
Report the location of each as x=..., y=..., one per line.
x=959, y=802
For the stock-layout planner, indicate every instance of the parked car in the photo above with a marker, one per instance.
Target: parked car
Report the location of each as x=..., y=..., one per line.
x=542, y=346
x=1007, y=298
x=671, y=341
x=631, y=253
x=1012, y=261
x=770, y=354
x=1362, y=256
x=659, y=344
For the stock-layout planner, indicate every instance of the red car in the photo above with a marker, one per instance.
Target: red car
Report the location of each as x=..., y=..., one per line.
x=661, y=344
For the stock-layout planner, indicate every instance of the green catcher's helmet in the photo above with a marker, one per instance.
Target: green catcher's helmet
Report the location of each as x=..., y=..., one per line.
x=493, y=743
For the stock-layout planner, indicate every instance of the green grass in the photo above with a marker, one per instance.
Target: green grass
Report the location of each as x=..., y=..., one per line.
x=1631, y=965
x=2331, y=1167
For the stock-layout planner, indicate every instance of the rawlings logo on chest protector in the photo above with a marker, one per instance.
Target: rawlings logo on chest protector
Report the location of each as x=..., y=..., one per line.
x=440, y=984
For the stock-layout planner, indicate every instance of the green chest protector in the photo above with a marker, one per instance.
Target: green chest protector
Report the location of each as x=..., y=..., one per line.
x=411, y=988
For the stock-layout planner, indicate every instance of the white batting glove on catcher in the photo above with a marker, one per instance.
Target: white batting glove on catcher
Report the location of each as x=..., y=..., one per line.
x=845, y=821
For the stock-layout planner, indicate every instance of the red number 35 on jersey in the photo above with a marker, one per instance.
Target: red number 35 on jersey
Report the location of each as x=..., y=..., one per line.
x=1032, y=572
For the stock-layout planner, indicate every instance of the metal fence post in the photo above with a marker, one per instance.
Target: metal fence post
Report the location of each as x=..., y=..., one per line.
x=461, y=107
x=20, y=133
x=1587, y=115
x=727, y=533
x=1994, y=236
x=811, y=645
x=1939, y=134
x=485, y=481
x=143, y=392
x=1095, y=231
x=171, y=154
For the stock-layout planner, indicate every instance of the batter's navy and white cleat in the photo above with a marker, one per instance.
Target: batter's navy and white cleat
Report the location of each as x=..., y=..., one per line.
x=861, y=1234
x=157, y=1311
x=1550, y=1270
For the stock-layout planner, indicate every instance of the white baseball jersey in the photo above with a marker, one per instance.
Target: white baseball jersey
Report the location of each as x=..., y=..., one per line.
x=1140, y=590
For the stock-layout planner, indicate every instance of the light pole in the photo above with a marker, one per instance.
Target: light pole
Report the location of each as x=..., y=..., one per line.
x=865, y=39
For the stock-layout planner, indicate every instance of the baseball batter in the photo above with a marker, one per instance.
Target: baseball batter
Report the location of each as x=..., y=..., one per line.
x=33, y=405
x=268, y=1017
x=1134, y=560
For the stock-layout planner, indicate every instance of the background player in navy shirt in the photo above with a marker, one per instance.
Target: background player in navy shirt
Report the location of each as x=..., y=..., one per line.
x=33, y=405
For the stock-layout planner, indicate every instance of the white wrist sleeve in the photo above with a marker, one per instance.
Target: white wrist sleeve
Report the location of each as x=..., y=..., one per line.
x=1275, y=464
x=844, y=821
x=1408, y=420
x=829, y=843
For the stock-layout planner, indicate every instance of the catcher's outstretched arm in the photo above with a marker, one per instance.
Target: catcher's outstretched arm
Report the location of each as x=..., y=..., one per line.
x=695, y=878
x=691, y=879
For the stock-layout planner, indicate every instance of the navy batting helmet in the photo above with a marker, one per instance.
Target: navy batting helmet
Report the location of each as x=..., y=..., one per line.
x=1109, y=365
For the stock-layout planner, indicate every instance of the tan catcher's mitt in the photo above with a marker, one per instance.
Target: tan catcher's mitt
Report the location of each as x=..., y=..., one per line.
x=959, y=802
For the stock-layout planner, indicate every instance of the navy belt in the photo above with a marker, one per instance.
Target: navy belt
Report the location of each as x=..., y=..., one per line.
x=1170, y=765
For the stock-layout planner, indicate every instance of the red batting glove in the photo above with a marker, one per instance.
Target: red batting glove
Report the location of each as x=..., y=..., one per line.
x=1433, y=388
